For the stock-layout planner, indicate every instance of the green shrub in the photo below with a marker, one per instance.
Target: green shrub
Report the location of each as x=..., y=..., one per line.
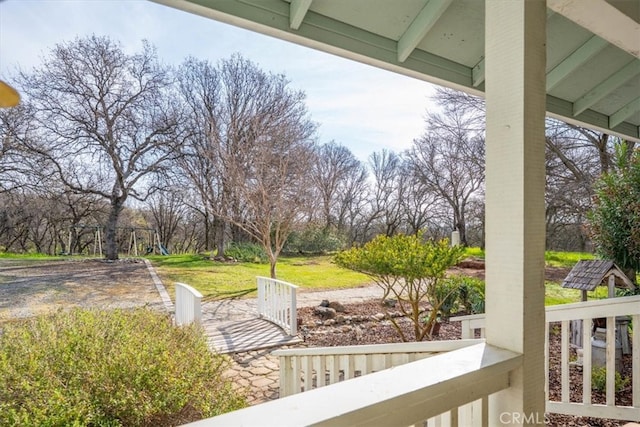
x=410, y=270
x=599, y=380
x=314, y=240
x=448, y=294
x=615, y=215
x=247, y=252
x=470, y=293
x=109, y=368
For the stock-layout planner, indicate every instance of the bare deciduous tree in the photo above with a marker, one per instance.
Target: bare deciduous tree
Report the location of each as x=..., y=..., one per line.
x=340, y=178
x=167, y=209
x=420, y=206
x=449, y=160
x=105, y=121
x=250, y=150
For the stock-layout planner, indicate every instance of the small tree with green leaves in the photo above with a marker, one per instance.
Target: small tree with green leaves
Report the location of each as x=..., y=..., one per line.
x=409, y=269
x=615, y=217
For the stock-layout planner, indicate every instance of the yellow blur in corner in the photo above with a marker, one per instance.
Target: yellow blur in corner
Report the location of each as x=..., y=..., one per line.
x=9, y=97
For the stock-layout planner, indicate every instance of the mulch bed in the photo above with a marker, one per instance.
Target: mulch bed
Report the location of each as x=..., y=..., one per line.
x=358, y=327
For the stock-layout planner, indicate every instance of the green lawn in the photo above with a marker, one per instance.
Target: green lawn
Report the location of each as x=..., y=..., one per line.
x=474, y=252
x=552, y=258
x=555, y=294
x=565, y=259
x=217, y=279
x=27, y=257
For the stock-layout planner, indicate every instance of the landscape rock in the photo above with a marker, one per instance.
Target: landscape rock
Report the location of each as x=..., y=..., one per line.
x=337, y=306
x=378, y=316
x=325, y=312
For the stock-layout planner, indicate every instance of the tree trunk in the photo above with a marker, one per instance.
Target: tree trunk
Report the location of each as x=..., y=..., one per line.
x=603, y=154
x=220, y=237
x=461, y=226
x=272, y=269
x=273, y=259
x=111, y=246
x=206, y=233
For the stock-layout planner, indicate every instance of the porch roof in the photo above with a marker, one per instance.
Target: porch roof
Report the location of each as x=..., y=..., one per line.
x=592, y=72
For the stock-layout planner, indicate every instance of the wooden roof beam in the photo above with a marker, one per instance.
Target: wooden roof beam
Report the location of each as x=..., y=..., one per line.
x=616, y=80
x=577, y=58
x=624, y=113
x=420, y=26
x=602, y=19
x=297, y=11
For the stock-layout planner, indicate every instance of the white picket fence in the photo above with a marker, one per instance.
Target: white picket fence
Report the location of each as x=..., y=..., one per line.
x=565, y=314
x=277, y=303
x=188, y=305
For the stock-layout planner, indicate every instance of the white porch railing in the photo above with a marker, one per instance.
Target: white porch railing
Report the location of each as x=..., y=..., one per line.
x=585, y=311
x=303, y=369
x=188, y=305
x=472, y=325
x=277, y=303
x=438, y=389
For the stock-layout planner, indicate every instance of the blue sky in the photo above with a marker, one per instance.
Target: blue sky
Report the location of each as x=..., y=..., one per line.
x=361, y=107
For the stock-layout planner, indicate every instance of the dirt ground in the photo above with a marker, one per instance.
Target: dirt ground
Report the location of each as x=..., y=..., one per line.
x=29, y=288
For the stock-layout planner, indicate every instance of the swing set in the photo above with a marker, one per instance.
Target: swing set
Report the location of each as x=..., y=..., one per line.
x=97, y=238
x=153, y=238
x=153, y=242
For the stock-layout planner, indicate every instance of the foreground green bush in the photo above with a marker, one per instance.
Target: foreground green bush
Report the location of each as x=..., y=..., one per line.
x=410, y=270
x=109, y=368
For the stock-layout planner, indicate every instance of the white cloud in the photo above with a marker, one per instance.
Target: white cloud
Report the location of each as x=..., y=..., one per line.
x=362, y=107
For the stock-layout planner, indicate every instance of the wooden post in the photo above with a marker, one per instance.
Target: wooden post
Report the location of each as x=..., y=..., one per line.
x=515, y=41
x=611, y=285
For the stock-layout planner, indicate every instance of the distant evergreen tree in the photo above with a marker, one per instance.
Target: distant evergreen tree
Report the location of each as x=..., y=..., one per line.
x=615, y=217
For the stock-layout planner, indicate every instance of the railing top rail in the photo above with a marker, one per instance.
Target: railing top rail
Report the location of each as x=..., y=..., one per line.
x=190, y=289
x=619, y=306
x=412, y=347
x=277, y=281
x=632, y=300
x=467, y=317
x=374, y=399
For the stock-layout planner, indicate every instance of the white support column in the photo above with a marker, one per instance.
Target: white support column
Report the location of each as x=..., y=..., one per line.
x=515, y=99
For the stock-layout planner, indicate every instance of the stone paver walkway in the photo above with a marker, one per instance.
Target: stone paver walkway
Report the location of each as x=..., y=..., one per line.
x=257, y=372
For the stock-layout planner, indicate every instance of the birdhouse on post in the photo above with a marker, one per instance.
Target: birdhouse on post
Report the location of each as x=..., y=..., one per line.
x=586, y=276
